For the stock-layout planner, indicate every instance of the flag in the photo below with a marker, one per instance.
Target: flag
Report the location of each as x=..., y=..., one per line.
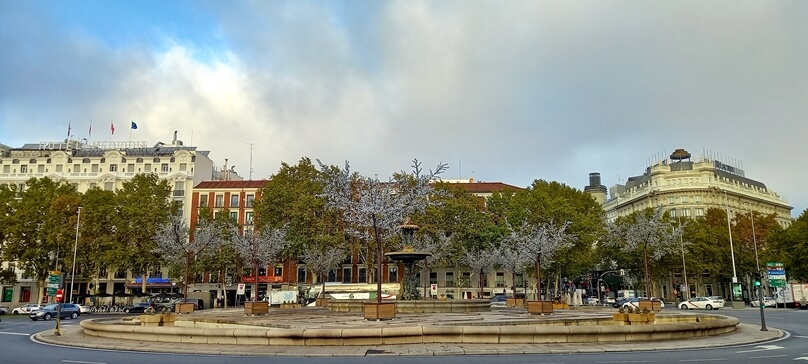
x=90, y=133
x=112, y=127
x=134, y=126
x=68, y=129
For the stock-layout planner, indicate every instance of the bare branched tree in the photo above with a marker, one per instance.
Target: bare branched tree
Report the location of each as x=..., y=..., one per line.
x=173, y=243
x=540, y=242
x=321, y=261
x=372, y=209
x=480, y=262
x=650, y=233
x=259, y=248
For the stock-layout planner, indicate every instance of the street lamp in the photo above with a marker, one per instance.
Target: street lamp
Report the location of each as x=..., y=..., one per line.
x=75, y=247
x=684, y=266
x=731, y=247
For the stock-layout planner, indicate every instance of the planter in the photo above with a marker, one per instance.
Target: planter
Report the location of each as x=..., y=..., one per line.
x=158, y=320
x=379, y=311
x=640, y=318
x=290, y=305
x=514, y=302
x=256, y=307
x=652, y=306
x=620, y=317
x=184, y=308
x=322, y=302
x=540, y=307
x=561, y=306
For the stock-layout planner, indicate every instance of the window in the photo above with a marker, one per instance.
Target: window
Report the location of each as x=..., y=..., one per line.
x=500, y=280
x=139, y=160
x=433, y=277
x=248, y=218
x=183, y=167
x=113, y=167
x=699, y=212
x=520, y=280
x=234, y=215
x=156, y=273
x=465, y=279
x=671, y=200
x=156, y=160
x=130, y=168
x=147, y=168
x=250, y=199
x=219, y=201
x=392, y=274
x=450, y=281
x=76, y=168
x=301, y=274
x=120, y=274
x=346, y=275
x=40, y=169
x=94, y=168
x=685, y=199
x=278, y=272
x=108, y=186
x=59, y=168
x=698, y=199
x=6, y=169
x=23, y=168
x=203, y=200
x=234, y=200
x=685, y=212
x=672, y=212
x=164, y=168
x=363, y=275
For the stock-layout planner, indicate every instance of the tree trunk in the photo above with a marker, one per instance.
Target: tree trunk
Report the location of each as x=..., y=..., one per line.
x=379, y=261
x=647, y=277
x=255, y=285
x=538, y=277
x=187, y=279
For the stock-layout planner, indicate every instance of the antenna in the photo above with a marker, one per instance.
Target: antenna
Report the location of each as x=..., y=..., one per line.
x=251, y=149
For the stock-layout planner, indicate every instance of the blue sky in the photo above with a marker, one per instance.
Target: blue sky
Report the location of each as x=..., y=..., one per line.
x=502, y=91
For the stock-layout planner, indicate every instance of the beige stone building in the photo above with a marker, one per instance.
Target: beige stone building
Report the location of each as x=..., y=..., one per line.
x=106, y=165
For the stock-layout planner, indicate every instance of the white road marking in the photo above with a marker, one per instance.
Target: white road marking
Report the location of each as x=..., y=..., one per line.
x=801, y=337
x=762, y=348
x=83, y=362
x=802, y=358
x=14, y=333
x=693, y=360
x=765, y=356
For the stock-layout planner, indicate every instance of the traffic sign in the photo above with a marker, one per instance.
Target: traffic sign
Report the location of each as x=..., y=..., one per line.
x=53, y=282
x=59, y=295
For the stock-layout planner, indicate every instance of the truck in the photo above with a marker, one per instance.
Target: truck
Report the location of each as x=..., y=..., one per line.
x=793, y=295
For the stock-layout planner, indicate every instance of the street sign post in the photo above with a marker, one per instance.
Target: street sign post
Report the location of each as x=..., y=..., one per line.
x=53, y=282
x=59, y=295
x=777, y=274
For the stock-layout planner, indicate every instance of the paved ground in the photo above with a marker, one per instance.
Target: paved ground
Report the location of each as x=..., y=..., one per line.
x=319, y=318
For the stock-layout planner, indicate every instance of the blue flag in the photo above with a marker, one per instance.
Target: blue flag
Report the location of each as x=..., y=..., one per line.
x=134, y=126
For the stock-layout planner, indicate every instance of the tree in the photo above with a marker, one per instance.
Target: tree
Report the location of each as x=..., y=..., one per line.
x=480, y=262
x=321, y=260
x=174, y=243
x=41, y=224
x=259, y=248
x=372, y=208
x=540, y=242
x=646, y=231
x=790, y=246
x=98, y=245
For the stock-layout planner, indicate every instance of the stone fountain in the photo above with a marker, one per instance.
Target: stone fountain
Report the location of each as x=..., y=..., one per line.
x=409, y=287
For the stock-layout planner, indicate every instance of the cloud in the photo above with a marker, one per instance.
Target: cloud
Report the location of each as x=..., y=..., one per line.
x=512, y=93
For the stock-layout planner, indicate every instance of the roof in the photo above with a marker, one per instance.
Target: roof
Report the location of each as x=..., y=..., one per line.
x=486, y=187
x=231, y=184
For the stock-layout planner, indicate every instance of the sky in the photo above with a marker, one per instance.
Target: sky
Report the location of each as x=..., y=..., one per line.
x=501, y=91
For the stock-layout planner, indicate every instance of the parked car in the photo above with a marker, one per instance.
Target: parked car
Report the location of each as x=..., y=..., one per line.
x=499, y=300
x=704, y=303
x=85, y=309
x=620, y=301
x=50, y=311
x=591, y=301
x=767, y=302
x=717, y=298
x=608, y=300
x=139, y=307
x=635, y=302
x=26, y=309
x=3, y=310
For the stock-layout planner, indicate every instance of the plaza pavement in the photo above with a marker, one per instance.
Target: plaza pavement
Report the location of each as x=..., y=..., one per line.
x=73, y=335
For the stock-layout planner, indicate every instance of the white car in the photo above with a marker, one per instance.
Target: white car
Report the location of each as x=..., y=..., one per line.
x=85, y=309
x=635, y=302
x=26, y=309
x=767, y=302
x=704, y=303
x=591, y=301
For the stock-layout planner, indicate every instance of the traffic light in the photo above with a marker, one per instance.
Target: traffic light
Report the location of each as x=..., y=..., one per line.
x=757, y=279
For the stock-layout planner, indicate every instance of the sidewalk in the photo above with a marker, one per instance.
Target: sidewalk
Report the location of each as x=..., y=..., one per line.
x=73, y=335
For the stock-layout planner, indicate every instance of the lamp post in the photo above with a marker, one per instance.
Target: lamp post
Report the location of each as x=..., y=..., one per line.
x=75, y=247
x=731, y=247
x=684, y=266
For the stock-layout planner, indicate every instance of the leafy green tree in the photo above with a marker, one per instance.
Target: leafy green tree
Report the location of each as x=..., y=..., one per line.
x=98, y=246
x=142, y=209
x=790, y=246
x=41, y=223
x=7, y=194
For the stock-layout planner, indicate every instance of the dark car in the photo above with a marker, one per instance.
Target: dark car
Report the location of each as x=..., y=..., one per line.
x=50, y=311
x=139, y=307
x=620, y=301
x=499, y=300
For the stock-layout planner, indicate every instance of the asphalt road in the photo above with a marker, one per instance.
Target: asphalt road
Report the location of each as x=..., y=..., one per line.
x=16, y=346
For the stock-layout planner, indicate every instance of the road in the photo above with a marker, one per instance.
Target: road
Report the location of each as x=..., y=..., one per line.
x=16, y=346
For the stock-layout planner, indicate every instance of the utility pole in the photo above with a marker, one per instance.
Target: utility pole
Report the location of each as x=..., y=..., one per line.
x=251, y=169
